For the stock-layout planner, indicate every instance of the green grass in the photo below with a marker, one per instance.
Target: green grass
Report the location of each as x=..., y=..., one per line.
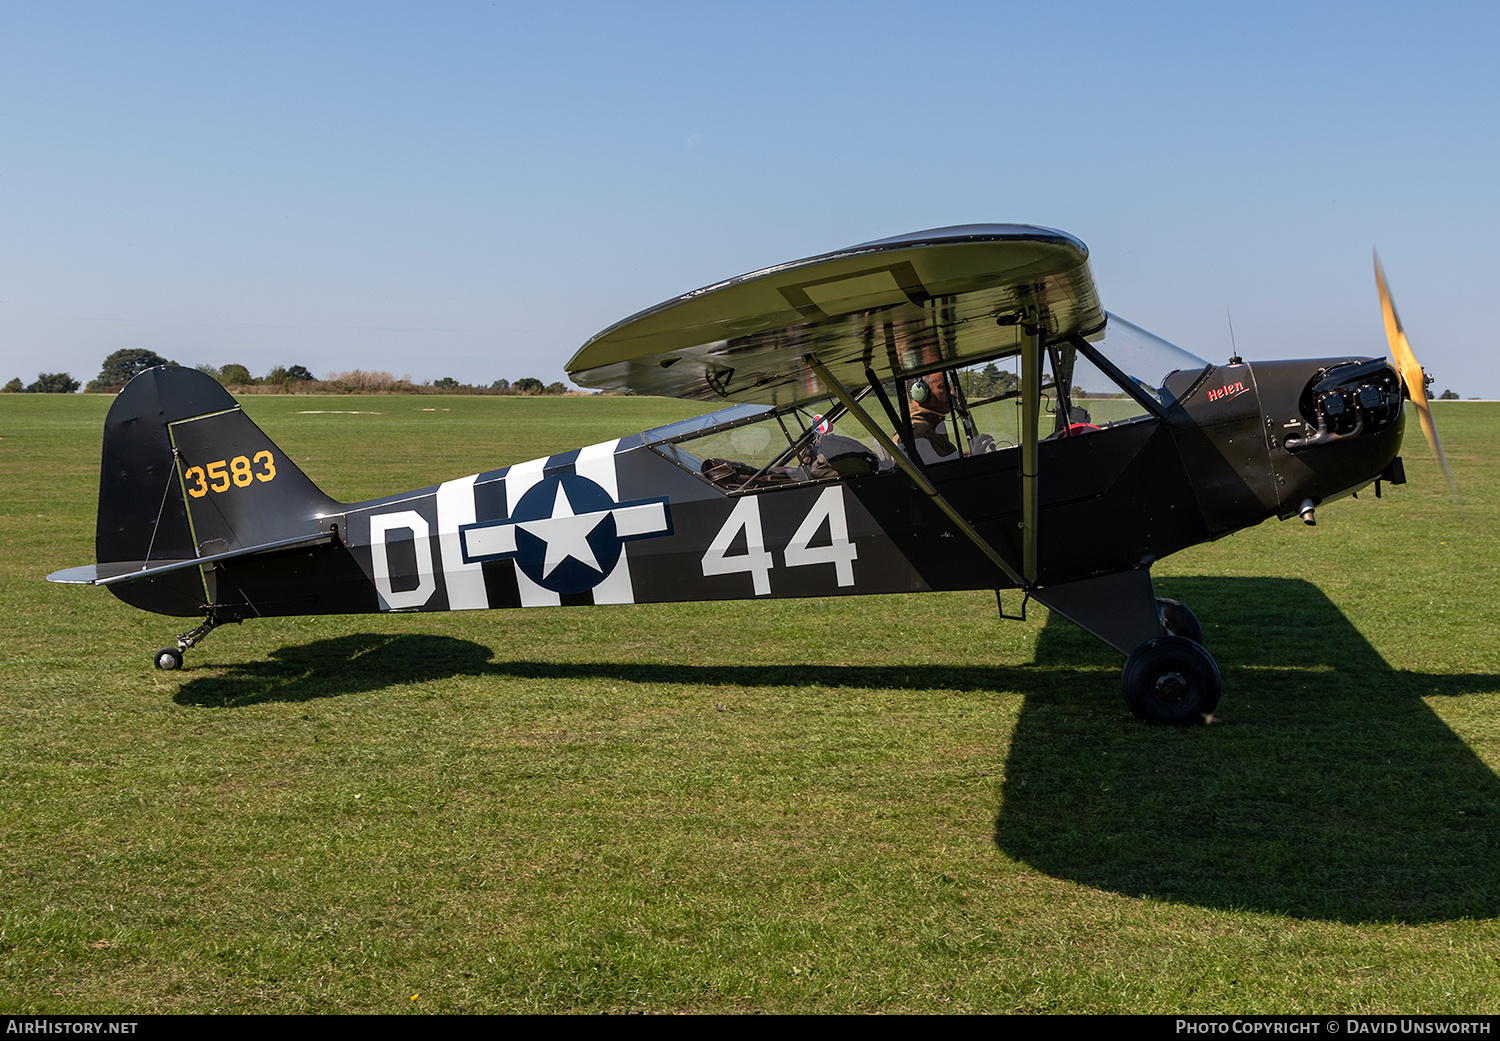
x=871, y=804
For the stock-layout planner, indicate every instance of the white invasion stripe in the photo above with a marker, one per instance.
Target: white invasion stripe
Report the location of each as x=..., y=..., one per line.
x=519, y=479
x=455, y=507
x=597, y=463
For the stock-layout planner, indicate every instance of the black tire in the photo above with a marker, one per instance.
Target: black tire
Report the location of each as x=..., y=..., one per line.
x=1177, y=620
x=1171, y=680
x=169, y=659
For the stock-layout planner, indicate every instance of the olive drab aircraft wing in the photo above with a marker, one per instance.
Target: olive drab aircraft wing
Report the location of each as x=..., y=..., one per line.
x=950, y=409
x=896, y=306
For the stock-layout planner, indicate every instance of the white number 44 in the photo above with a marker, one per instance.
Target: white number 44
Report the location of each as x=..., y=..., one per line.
x=758, y=561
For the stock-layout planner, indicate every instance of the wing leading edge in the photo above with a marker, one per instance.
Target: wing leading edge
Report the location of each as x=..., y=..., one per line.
x=896, y=306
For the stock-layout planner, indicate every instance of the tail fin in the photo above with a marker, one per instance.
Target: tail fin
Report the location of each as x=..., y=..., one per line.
x=187, y=475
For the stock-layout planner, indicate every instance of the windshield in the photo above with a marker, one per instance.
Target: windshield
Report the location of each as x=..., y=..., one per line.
x=1144, y=357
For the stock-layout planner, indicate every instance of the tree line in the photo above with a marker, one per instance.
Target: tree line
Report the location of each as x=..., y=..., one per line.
x=124, y=365
x=46, y=383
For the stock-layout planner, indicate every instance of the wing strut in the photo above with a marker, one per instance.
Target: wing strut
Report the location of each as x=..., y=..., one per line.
x=913, y=471
x=1031, y=403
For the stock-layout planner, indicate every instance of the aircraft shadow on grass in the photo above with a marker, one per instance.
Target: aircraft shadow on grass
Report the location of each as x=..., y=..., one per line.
x=1327, y=790
x=1331, y=791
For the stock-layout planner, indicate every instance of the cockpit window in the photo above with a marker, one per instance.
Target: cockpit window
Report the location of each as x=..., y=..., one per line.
x=1078, y=396
x=959, y=413
x=1076, y=399
x=752, y=446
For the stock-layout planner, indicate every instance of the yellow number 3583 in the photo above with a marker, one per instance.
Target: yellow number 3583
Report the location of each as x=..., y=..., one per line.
x=238, y=471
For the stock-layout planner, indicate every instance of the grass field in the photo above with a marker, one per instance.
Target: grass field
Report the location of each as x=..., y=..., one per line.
x=860, y=805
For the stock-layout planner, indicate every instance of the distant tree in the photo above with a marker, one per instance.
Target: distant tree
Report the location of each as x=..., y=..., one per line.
x=527, y=385
x=556, y=388
x=124, y=365
x=13, y=387
x=1447, y=395
x=447, y=383
x=53, y=383
x=282, y=374
x=230, y=375
x=987, y=382
x=500, y=385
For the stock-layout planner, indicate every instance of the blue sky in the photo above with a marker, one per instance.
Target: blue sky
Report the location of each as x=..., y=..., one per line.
x=474, y=189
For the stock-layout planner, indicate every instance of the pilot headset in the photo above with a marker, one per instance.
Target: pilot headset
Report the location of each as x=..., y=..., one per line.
x=920, y=391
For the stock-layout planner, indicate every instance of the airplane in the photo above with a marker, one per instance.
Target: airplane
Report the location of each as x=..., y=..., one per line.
x=944, y=410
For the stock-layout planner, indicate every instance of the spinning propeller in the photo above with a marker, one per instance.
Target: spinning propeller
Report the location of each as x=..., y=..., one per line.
x=1412, y=376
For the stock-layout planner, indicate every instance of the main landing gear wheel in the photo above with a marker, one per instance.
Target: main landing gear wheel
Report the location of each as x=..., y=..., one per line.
x=1171, y=680
x=1177, y=620
x=169, y=659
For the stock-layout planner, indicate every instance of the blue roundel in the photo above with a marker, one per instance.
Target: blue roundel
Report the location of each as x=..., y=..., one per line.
x=566, y=538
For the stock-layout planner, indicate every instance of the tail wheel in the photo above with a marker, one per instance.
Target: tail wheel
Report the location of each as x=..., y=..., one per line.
x=169, y=659
x=1171, y=680
x=1177, y=620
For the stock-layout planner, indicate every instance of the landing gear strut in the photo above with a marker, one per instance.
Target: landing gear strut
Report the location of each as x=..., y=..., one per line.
x=169, y=659
x=1169, y=677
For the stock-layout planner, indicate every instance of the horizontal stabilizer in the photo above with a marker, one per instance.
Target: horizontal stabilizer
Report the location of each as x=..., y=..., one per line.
x=120, y=571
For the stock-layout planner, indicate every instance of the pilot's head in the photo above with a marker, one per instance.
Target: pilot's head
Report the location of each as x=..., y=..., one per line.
x=931, y=392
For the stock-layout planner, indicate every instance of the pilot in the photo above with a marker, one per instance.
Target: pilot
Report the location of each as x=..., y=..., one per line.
x=932, y=401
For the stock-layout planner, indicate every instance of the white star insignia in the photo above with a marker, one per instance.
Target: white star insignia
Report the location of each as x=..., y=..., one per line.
x=566, y=534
